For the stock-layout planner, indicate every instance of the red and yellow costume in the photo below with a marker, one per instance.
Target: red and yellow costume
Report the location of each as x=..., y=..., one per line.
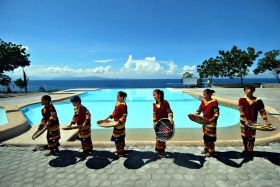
x=81, y=116
x=118, y=135
x=161, y=110
x=210, y=110
x=249, y=109
x=53, y=133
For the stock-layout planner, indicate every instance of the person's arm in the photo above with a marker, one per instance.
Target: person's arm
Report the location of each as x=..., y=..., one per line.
x=170, y=113
x=199, y=110
x=154, y=116
x=242, y=112
x=123, y=108
x=74, y=119
x=88, y=116
x=216, y=112
x=263, y=112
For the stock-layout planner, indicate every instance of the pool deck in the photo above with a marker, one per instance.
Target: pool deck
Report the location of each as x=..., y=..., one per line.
x=227, y=136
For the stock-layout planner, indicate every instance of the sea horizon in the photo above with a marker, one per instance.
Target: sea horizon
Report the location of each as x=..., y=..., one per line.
x=34, y=85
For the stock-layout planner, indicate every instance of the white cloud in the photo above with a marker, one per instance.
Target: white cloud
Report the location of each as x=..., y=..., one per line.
x=105, y=60
x=52, y=71
x=172, y=68
x=149, y=65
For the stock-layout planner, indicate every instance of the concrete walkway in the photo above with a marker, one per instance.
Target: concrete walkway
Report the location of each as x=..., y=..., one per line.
x=184, y=166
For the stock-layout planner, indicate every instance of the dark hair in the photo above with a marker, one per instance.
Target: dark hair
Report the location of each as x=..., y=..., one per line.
x=47, y=98
x=158, y=91
x=251, y=87
x=122, y=94
x=208, y=91
x=76, y=99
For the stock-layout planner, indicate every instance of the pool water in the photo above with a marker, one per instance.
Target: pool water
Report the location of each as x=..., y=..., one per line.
x=3, y=116
x=101, y=103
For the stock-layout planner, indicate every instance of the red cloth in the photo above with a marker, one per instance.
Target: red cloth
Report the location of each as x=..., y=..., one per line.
x=120, y=112
x=209, y=109
x=162, y=112
x=81, y=115
x=250, y=108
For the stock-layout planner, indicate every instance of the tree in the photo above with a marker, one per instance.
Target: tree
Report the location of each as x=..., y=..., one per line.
x=209, y=68
x=269, y=63
x=12, y=56
x=187, y=75
x=19, y=83
x=235, y=63
x=5, y=80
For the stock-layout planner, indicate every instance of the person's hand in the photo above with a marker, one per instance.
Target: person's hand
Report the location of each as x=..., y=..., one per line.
x=248, y=122
x=171, y=121
x=117, y=123
x=69, y=126
x=84, y=125
x=40, y=127
x=267, y=123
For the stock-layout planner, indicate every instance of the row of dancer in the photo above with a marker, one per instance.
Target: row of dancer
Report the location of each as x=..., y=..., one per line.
x=249, y=106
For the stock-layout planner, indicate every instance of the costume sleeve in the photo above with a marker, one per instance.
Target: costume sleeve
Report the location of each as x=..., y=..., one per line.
x=216, y=110
x=75, y=117
x=241, y=108
x=124, y=111
x=168, y=109
x=44, y=119
x=53, y=116
x=198, y=111
x=154, y=113
x=262, y=110
x=88, y=116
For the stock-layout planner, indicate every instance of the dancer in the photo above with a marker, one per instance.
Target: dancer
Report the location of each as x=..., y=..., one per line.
x=249, y=106
x=161, y=109
x=119, y=115
x=82, y=119
x=210, y=109
x=51, y=120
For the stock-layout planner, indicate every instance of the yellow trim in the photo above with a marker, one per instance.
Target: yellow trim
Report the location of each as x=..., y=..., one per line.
x=208, y=102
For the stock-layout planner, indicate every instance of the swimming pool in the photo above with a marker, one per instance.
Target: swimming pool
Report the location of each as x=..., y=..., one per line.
x=3, y=116
x=101, y=103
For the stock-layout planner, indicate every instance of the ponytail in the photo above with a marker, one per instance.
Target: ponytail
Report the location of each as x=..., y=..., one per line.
x=158, y=91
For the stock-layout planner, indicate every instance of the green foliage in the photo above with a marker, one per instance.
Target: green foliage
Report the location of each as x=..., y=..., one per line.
x=235, y=63
x=209, y=68
x=5, y=80
x=269, y=63
x=19, y=83
x=187, y=75
x=12, y=56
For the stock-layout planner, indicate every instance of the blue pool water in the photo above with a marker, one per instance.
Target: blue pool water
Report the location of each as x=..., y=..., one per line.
x=3, y=117
x=101, y=103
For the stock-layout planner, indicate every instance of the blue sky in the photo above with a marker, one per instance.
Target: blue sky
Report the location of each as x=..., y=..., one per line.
x=135, y=38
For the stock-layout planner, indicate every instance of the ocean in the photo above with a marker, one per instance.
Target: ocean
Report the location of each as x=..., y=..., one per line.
x=34, y=85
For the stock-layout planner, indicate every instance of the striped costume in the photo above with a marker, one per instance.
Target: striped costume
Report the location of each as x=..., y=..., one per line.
x=161, y=110
x=118, y=135
x=53, y=133
x=210, y=110
x=249, y=109
x=81, y=116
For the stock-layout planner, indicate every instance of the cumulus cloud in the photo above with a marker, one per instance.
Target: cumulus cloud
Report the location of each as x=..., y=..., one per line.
x=148, y=65
x=172, y=68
